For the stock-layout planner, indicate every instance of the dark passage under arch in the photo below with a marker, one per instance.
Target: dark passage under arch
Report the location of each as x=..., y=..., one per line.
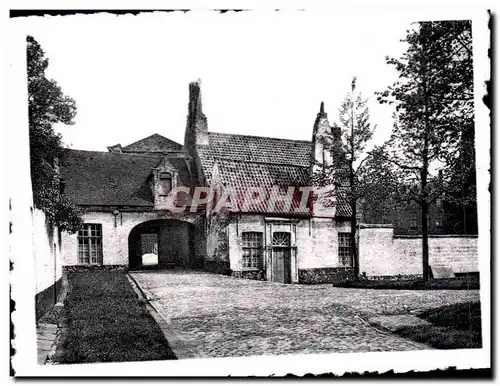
x=170, y=240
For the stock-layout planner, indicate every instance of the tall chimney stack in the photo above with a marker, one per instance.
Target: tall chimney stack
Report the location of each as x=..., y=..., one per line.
x=197, y=127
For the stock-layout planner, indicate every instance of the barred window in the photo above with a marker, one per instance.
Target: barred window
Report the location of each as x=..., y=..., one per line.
x=90, y=244
x=252, y=250
x=439, y=202
x=345, y=249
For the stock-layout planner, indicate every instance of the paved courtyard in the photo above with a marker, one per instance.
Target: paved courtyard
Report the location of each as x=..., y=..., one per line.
x=217, y=316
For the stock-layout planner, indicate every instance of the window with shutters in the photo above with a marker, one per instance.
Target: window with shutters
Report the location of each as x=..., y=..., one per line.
x=252, y=250
x=90, y=244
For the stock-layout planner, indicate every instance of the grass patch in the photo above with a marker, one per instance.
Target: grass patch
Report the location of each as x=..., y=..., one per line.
x=456, y=283
x=453, y=327
x=106, y=322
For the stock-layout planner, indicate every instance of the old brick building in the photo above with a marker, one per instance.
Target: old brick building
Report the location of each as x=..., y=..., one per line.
x=125, y=194
x=444, y=217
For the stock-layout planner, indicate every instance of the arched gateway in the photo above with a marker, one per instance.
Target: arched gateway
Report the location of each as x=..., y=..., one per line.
x=162, y=243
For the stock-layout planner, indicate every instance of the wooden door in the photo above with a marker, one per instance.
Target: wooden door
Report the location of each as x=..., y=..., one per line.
x=281, y=265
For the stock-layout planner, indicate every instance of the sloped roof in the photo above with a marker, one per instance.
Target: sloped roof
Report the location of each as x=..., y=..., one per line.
x=253, y=149
x=240, y=175
x=261, y=174
x=108, y=179
x=250, y=161
x=183, y=175
x=343, y=209
x=153, y=143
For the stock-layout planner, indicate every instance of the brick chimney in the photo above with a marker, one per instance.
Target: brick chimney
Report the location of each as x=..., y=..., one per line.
x=196, y=127
x=323, y=139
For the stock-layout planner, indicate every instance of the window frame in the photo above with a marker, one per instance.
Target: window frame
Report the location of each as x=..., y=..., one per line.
x=165, y=176
x=90, y=245
x=344, y=240
x=439, y=219
x=255, y=250
x=284, y=242
x=413, y=221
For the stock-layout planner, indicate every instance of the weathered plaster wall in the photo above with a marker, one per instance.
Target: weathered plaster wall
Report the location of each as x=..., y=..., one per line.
x=217, y=242
x=115, y=238
x=48, y=262
x=314, y=246
x=383, y=254
x=317, y=244
x=200, y=242
x=237, y=225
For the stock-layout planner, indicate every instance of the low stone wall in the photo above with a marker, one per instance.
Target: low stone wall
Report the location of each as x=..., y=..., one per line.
x=392, y=277
x=382, y=254
x=217, y=266
x=326, y=275
x=252, y=275
x=45, y=300
x=90, y=268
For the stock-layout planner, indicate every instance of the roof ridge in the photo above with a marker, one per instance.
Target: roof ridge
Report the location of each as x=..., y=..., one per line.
x=261, y=162
x=149, y=136
x=119, y=154
x=263, y=137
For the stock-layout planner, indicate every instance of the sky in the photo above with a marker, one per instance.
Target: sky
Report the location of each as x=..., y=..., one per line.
x=262, y=73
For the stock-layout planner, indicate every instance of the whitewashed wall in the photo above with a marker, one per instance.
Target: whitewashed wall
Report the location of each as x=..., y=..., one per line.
x=381, y=253
x=47, y=251
x=115, y=234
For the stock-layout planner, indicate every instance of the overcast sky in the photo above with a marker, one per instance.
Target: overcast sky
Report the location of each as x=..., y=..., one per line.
x=262, y=73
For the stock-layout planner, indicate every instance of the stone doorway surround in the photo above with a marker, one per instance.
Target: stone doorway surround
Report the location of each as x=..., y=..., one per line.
x=280, y=225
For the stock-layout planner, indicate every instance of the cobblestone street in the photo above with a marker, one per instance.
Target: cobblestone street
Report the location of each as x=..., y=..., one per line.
x=219, y=316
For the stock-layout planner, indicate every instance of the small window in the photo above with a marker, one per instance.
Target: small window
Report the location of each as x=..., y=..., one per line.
x=90, y=244
x=439, y=219
x=281, y=239
x=413, y=220
x=252, y=250
x=345, y=249
x=439, y=202
x=165, y=183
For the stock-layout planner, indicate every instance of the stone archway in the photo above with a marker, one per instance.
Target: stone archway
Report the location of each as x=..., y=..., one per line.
x=170, y=240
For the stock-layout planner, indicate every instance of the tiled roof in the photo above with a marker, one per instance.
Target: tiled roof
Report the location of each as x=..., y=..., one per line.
x=113, y=179
x=153, y=143
x=240, y=175
x=261, y=174
x=343, y=209
x=183, y=175
x=253, y=149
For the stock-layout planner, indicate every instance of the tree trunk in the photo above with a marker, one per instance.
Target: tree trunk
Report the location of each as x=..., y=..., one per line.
x=425, y=241
x=425, y=172
x=352, y=197
x=354, y=246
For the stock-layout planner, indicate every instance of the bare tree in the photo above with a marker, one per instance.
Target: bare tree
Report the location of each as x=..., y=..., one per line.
x=348, y=157
x=434, y=114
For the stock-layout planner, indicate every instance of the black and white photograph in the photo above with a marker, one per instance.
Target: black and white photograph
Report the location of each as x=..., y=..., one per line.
x=255, y=192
